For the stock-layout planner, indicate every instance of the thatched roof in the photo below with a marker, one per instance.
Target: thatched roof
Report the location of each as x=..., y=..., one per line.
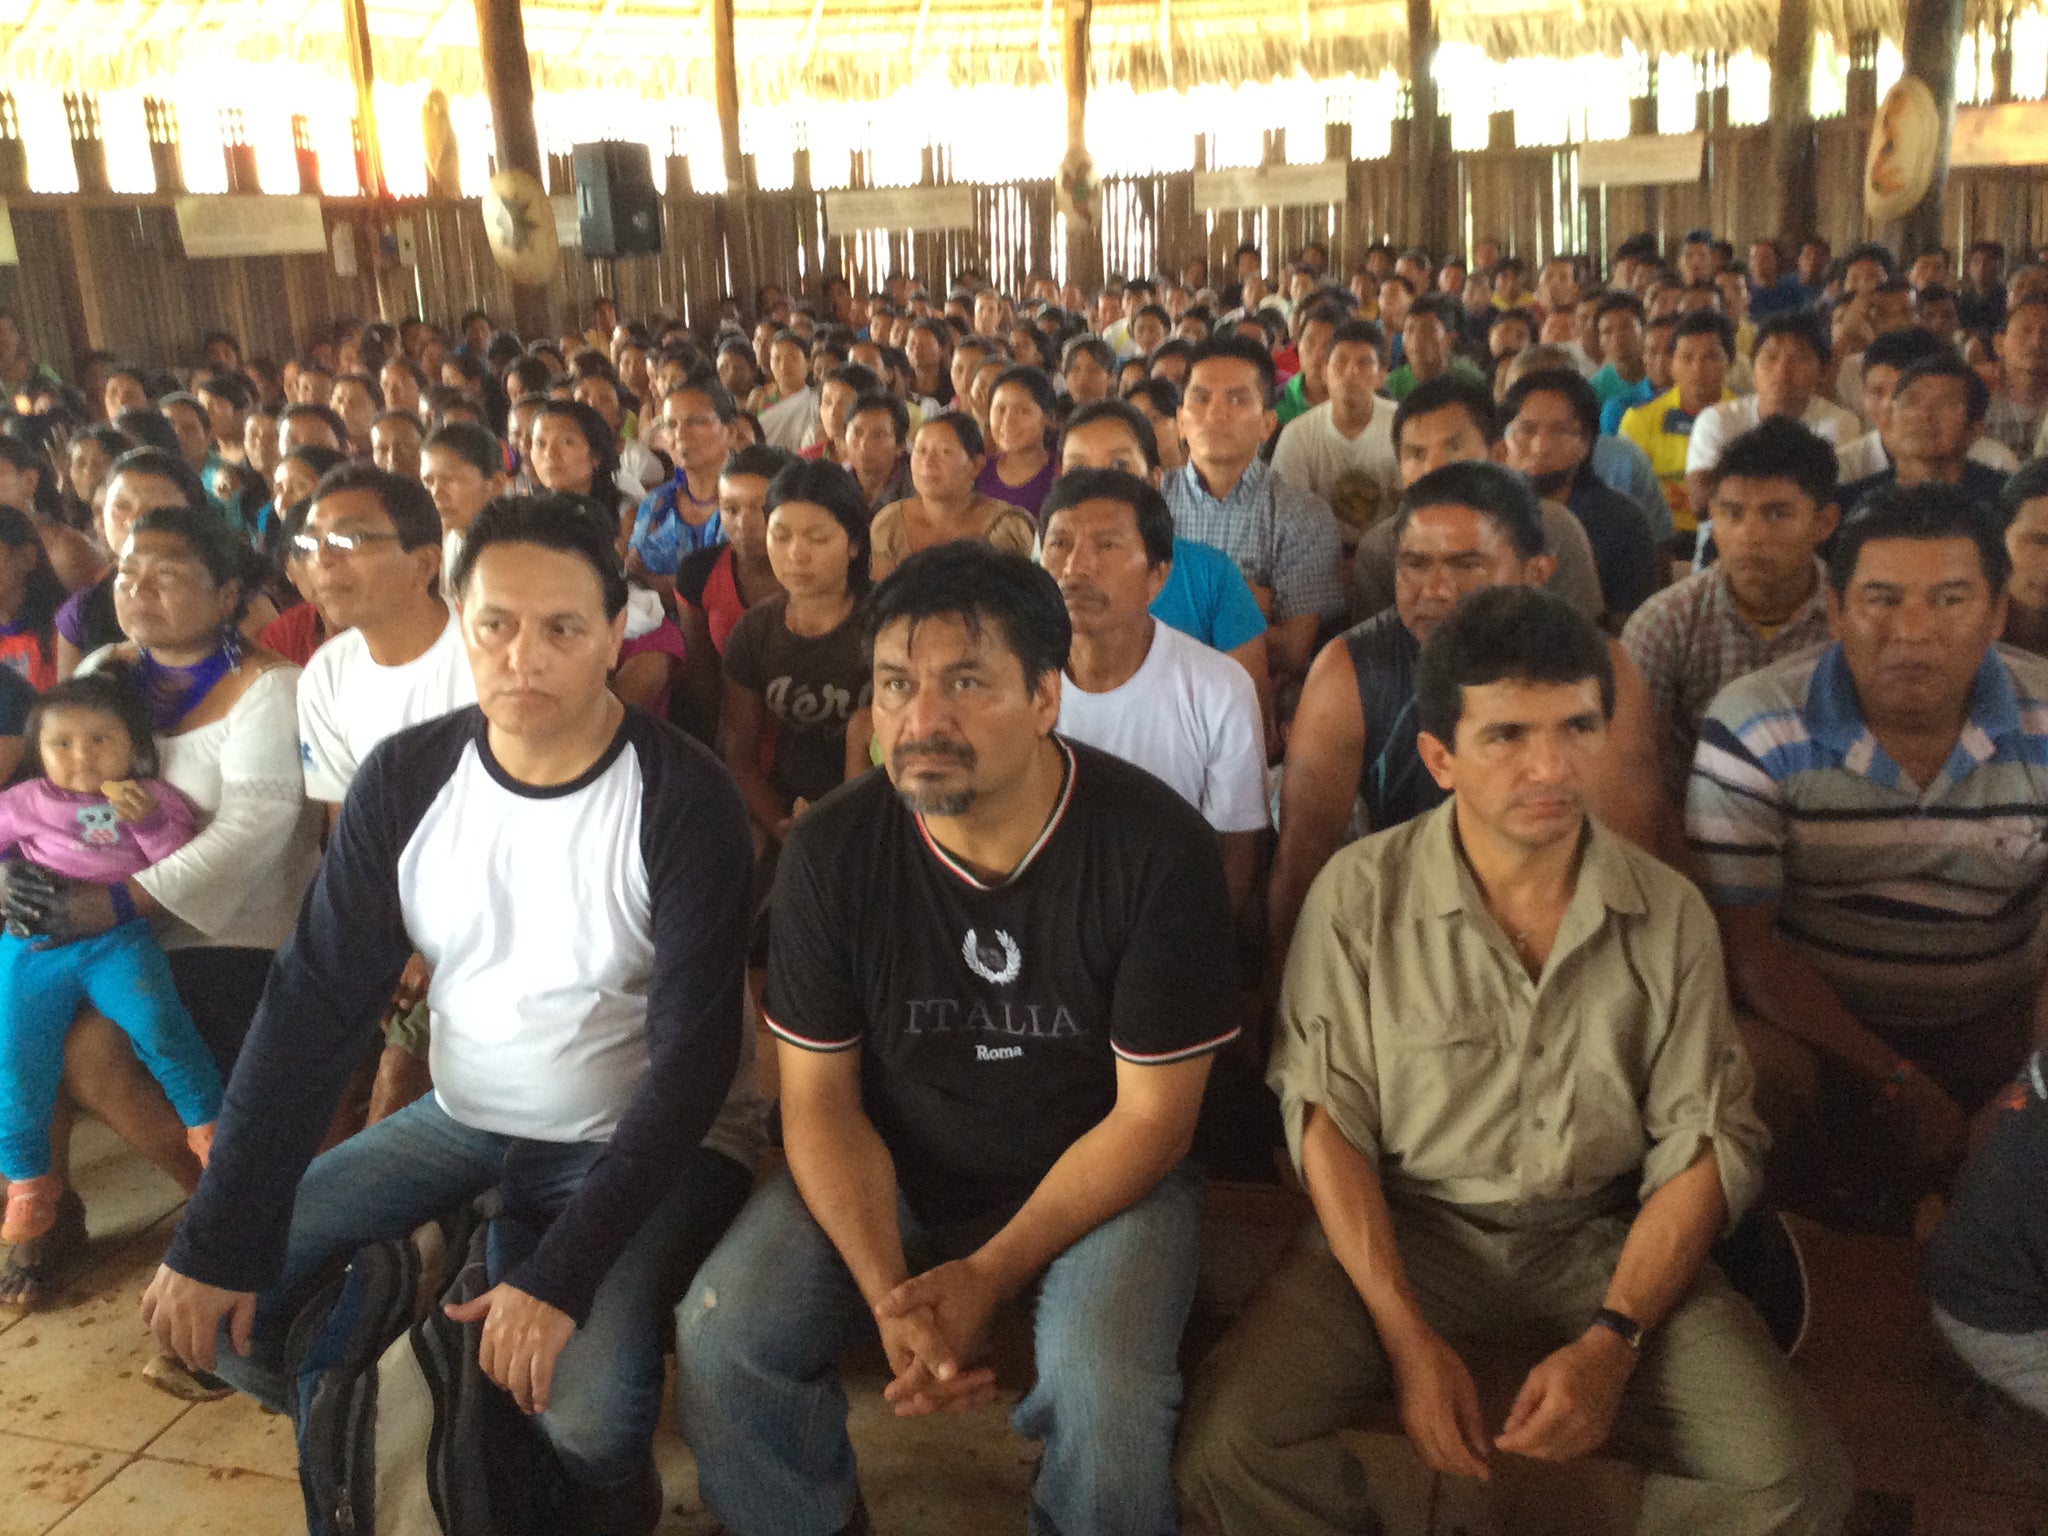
x=861, y=49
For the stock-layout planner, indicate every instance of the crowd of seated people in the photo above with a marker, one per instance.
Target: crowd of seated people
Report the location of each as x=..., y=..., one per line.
x=844, y=825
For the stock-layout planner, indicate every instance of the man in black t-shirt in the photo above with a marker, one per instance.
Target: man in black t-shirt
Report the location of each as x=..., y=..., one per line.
x=996, y=976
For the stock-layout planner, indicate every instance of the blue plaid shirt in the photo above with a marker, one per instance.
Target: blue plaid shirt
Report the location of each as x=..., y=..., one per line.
x=661, y=538
x=1280, y=537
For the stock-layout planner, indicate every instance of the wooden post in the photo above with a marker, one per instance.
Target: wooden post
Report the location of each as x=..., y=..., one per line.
x=508, y=82
x=1934, y=35
x=1084, y=241
x=1795, y=190
x=355, y=26
x=1429, y=170
x=725, y=81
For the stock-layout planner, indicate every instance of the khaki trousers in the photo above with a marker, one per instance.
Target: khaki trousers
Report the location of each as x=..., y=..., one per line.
x=1730, y=1441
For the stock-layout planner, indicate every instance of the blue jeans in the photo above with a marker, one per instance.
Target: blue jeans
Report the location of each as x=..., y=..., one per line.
x=124, y=975
x=419, y=1163
x=774, y=1306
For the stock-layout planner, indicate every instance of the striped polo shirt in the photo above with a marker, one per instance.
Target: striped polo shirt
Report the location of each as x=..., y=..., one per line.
x=1921, y=907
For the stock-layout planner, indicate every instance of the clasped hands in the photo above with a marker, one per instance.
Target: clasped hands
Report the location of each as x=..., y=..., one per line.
x=934, y=1325
x=1564, y=1411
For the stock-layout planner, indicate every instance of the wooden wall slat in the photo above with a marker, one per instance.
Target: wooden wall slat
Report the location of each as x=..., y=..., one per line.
x=110, y=272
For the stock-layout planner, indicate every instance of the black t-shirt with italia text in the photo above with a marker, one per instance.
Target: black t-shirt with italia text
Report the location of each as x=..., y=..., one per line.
x=991, y=1017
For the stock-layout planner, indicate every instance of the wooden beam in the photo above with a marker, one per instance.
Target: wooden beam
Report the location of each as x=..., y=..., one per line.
x=1084, y=241
x=508, y=82
x=355, y=26
x=1429, y=168
x=1934, y=35
x=738, y=196
x=1795, y=163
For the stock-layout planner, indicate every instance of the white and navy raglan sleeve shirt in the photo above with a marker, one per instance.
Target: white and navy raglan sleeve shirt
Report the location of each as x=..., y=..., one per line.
x=587, y=943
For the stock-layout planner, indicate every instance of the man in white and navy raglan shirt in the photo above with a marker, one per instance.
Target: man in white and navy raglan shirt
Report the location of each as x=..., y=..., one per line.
x=575, y=874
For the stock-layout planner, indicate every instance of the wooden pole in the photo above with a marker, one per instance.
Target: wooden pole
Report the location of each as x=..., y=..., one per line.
x=1934, y=35
x=508, y=82
x=1428, y=169
x=355, y=17
x=738, y=195
x=1084, y=241
x=1795, y=192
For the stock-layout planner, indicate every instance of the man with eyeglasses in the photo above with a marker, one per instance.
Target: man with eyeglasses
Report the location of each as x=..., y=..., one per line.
x=371, y=553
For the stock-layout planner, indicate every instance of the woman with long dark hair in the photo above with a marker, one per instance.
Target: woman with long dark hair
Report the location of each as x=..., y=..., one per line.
x=29, y=597
x=28, y=484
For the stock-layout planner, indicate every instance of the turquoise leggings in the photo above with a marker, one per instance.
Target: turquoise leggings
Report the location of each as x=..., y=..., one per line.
x=123, y=974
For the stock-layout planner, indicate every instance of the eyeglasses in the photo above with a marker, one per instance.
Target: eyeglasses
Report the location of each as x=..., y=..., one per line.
x=304, y=546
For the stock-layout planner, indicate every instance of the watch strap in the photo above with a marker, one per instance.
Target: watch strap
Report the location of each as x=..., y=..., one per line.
x=1621, y=1325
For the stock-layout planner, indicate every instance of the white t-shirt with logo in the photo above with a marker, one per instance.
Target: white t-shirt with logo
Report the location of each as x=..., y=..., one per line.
x=1188, y=716
x=1358, y=476
x=1719, y=425
x=348, y=703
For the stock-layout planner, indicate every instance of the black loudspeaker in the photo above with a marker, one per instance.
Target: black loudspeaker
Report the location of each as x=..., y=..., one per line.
x=618, y=212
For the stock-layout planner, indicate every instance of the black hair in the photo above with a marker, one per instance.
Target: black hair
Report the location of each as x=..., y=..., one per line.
x=756, y=459
x=825, y=484
x=1516, y=316
x=552, y=520
x=1164, y=395
x=111, y=691
x=1148, y=507
x=1239, y=349
x=789, y=338
x=983, y=587
x=1506, y=634
x=862, y=381
x=964, y=427
x=1437, y=306
x=2028, y=483
x=1490, y=489
x=1802, y=325
x=231, y=387
x=161, y=464
x=314, y=457
x=1778, y=448
x=1033, y=382
x=42, y=593
x=1945, y=364
x=476, y=446
x=2031, y=301
x=369, y=384
x=303, y=409
x=528, y=376
x=597, y=437
x=1568, y=382
x=1113, y=410
x=1089, y=346
x=1869, y=250
x=1902, y=348
x=1619, y=303
x=24, y=455
x=715, y=394
x=1926, y=511
x=397, y=415
x=1432, y=395
x=1706, y=322
x=225, y=554
x=879, y=399
x=1360, y=333
x=405, y=501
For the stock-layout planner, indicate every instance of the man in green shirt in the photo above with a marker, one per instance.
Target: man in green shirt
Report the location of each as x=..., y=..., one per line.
x=1426, y=346
x=1308, y=388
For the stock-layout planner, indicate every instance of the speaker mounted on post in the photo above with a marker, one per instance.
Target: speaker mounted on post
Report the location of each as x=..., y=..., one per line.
x=618, y=211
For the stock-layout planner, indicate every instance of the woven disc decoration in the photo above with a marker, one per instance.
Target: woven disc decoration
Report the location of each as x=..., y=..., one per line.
x=1903, y=141
x=520, y=223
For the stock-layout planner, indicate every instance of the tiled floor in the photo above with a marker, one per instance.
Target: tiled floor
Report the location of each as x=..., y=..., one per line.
x=87, y=1448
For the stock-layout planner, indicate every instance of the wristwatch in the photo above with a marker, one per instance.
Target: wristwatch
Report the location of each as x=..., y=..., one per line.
x=1621, y=1325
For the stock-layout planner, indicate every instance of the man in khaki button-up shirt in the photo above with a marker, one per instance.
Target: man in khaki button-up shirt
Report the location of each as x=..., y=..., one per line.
x=1513, y=1089
x=1411, y=1020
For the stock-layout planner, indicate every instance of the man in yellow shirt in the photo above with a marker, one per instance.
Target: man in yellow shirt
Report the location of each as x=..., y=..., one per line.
x=1703, y=346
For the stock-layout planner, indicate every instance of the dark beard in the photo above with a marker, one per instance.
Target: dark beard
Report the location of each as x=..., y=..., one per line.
x=1556, y=485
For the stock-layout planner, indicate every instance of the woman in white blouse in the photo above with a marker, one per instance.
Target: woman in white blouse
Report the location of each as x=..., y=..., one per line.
x=226, y=719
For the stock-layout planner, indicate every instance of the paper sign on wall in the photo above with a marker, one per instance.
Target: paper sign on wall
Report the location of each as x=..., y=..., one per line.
x=1273, y=186
x=250, y=226
x=901, y=208
x=1648, y=160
